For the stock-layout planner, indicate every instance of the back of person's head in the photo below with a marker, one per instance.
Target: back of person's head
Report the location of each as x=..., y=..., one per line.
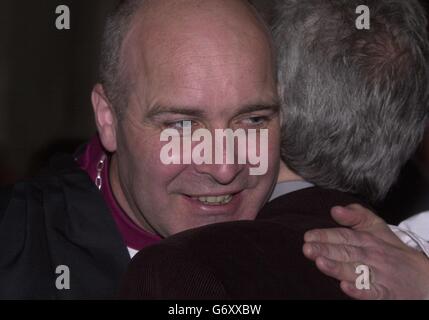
x=354, y=101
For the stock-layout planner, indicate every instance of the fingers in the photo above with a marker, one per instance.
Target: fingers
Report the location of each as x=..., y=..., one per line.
x=338, y=270
x=362, y=219
x=376, y=292
x=346, y=273
x=373, y=229
x=341, y=253
x=336, y=236
x=355, y=216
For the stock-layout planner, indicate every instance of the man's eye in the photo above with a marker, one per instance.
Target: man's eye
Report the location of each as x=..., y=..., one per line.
x=255, y=121
x=182, y=124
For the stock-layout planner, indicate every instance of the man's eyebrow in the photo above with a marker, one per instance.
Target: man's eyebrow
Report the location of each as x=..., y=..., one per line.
x=161, y=110
x=188, y=111
x=275, y=108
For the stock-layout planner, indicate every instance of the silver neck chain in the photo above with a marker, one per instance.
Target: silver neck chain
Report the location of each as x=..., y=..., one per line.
x=100, y=167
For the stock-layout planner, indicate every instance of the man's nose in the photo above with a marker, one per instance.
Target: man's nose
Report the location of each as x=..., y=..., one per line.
x=226, y=160
x=222, y=173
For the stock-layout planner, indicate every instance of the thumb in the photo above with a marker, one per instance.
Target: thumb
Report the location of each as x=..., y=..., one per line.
x=362, y=219
x=355, y=216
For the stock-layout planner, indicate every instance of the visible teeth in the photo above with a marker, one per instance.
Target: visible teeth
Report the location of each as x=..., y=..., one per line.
x=213, y=200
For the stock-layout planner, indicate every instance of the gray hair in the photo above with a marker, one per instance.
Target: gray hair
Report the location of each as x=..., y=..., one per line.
x=354, y=102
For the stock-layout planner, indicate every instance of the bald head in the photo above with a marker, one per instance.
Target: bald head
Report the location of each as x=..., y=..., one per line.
x=146, y=33
x=204, y=62
x=191, y=15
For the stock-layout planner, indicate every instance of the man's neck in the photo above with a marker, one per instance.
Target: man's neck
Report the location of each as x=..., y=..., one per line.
x=285, y=174
x=121, y=198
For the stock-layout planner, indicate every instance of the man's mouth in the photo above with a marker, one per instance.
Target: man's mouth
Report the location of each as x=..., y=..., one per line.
x=221, y=203
x=214, y=200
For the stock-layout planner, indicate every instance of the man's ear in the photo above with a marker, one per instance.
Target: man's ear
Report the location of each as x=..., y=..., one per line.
x=104, y=118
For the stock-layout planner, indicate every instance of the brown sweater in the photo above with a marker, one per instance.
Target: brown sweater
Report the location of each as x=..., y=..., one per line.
x=259, y=259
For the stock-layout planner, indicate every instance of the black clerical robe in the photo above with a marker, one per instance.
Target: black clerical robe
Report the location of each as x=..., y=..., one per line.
x=59, y=219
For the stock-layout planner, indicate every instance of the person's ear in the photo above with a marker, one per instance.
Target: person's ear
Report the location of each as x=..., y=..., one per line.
x=104, y=118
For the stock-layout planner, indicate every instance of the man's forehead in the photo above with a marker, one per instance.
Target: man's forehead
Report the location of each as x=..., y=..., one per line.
x=204, y=81
x=202, y=68
x=183, y=49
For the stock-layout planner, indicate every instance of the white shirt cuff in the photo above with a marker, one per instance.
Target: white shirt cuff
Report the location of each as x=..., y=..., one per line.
x=414, y=232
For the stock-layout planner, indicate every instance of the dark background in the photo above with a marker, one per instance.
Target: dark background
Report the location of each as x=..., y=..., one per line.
x=45, y=81
x=46, y=76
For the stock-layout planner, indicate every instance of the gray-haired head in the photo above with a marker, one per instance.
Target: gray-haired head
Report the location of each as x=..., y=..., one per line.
x=354, y=102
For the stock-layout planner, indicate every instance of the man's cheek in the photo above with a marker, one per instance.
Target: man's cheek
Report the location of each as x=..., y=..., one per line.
x=160, y=174
x=274, y=145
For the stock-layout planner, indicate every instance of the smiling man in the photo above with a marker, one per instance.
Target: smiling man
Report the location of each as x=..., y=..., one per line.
x=164, y=64
x=208, y=63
